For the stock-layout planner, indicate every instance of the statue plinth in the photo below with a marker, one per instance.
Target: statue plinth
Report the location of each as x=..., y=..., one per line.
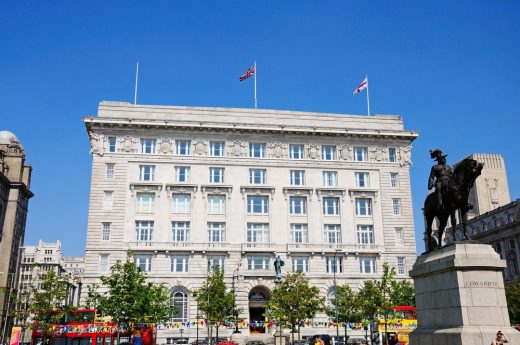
x=460, y=297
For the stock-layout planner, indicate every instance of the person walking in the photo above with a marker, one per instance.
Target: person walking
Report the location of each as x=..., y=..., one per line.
x=500, y=339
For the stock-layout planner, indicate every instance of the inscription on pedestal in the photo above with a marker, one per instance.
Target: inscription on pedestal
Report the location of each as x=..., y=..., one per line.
x=480, y=283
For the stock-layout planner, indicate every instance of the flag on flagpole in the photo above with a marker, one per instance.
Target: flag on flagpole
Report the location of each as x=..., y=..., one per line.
x=363, y=85
x=248, y=74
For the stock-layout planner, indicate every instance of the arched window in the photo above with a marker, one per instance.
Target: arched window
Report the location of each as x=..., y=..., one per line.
x=180, y=301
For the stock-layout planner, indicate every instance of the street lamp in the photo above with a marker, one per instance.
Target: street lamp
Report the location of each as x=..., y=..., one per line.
x=336, y=294
x=235, y=311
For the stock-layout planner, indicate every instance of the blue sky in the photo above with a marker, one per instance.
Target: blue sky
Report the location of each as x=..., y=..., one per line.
x=450, y=68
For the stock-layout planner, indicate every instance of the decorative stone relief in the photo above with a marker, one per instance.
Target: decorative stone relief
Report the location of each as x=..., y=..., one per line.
x=313, y=151
x=277, y=150
x=236, y=148
x=96, y=143
x=128, y=144
x=165, y=146
x=199, y=147
x=405, y=155
x=377, y=153
x=345, y=152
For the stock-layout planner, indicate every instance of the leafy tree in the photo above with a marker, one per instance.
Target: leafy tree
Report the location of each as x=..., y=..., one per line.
x=384, y=285
x=19, y=310
x=402, y=292
x=293, y=301
x=347, y=305
x=513, y=301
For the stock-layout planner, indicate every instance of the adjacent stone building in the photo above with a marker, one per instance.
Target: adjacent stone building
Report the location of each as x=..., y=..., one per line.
x=188, y=188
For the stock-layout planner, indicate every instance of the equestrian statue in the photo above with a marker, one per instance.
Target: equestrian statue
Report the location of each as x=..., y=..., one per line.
x=451, y=193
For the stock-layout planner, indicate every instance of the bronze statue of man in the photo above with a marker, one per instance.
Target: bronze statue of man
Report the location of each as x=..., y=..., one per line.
x=440, y=175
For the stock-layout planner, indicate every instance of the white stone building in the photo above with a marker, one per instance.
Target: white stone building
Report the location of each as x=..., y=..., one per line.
x=185, y=188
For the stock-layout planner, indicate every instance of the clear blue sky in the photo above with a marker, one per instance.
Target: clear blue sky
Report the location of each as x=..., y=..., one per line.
x=445, y=66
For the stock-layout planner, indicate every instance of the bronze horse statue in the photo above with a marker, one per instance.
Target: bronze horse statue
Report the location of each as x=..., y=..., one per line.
x=455, y=198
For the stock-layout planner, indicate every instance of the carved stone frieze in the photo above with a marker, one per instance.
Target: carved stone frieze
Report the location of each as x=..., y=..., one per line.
x=97, y=144
x=277, y=150
x=236, y=148
x=200, y=147
x=165, y=146
x=345, y=152
x=313, y=151
x=128, y=144
x=405, y=155
x=377, y=153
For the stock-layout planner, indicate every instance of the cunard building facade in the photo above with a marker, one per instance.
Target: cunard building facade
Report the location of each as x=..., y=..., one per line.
x=187, y=188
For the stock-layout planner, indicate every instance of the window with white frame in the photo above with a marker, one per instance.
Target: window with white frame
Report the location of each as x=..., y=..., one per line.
x=298, y=205
x=299, y=233
x=180, y=231
x=257, y=204
x=396, y=206
x=144, y=230
x=182, y=174
x=180, y=304
x=216, y=204
x=365, y=234
x=148, y=145
x=106, y=232
x=391, y=154
x=257, y=176
x=216, y=261
x=216, y=175
x=112, y=144
x=143, y=262
x=334, y=264
x=179, y=263
x=216, y=231
x=103, y=263
x=394, y=180
x=216, y=148
x=399, y=238
x=297, y=178
x=330, y=206
x=182, y=147
x=145, y=202
x=360, y=154
x=363, y=207
x=296, y=151
x=367, y=264
x=362, y=179
x=328, y=153
x=108, y=199
x=332, y=233
x=109, y=171
x=257, y=150
x=257, y=232
x=300, y=264
x=330, y=178
x=401, y=265
x=181, y=203
x=258, y=262
x=146, y=172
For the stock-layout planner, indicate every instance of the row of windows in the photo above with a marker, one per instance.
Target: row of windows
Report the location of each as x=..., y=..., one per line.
x=256, y=150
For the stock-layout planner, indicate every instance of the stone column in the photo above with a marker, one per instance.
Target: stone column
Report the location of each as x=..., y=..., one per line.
x=460, y=298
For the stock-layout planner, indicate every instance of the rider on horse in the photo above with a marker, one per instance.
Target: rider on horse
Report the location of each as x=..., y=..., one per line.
x=440, y=175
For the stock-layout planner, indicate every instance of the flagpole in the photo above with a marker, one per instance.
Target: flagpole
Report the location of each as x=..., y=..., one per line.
x=256, y=105
x=368, y=99
x=136, y=79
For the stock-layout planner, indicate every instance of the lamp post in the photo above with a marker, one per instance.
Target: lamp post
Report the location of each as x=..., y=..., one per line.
x=335, y=293
x=235, y=311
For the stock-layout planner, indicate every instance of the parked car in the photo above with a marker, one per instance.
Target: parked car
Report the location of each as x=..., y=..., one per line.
x=356, y=341
x=228, y=342
x=255, y=342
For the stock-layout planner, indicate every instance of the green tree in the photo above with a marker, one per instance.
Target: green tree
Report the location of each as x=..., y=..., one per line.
x=402, y=292
x=347, y=305
x=513, y=301
x=20, y=311
x=293, y=301
x=384, y=285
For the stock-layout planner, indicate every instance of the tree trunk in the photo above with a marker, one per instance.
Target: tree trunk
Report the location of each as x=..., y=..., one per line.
x=345, y=340
x=386, y=328
x=216, y=333
x=299, y=334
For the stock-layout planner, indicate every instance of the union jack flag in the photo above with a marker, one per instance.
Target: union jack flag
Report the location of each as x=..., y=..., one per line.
x=249, y=73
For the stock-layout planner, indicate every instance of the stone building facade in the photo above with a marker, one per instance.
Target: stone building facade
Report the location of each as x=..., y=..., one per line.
x=15, y=178
x=187, y=188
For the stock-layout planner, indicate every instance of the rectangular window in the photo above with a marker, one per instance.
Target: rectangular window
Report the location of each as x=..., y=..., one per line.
x=216, y=261
x=216, y=148
x=298, y=205
x=300, y=264
x=396, y=206
x=216, y=232
x=360, y=154
x=146, y=172
x=331, y=206
x=179, y=263
x=109, y=171
x=391, y=154
x=112, y=144
x=362, y=180
x=399, y=239
x=332, y=233
x=181, y=203
x=180, y=231
x=182, y=147
x=145, y=202
x=144, y=262
x=257, y=204
x=106, y=232
x=256, y=150
x=216, y=175
x=367, y=264
x=334, y=264
x=258, y=262
x=257, y=233
x=297, y=178
x=363, y=207
x=328, y=153
x=144, y=230
x=108, y=198
x=401, y=265
x=148, y=145
x=182, y=174
x=299, y=233
x=296, y=151
x=330, y=178
x=257, y=176
x=216, y=204
x=103, y=263
x=394, y=180
x=365, y=234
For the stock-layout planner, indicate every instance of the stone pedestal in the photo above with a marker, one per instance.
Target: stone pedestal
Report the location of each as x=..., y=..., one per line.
x=460, y=298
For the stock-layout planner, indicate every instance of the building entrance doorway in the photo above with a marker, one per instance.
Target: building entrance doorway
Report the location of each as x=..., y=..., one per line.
x=258, y=298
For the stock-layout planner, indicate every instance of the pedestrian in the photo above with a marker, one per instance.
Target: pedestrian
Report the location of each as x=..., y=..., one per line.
x=500, y=339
